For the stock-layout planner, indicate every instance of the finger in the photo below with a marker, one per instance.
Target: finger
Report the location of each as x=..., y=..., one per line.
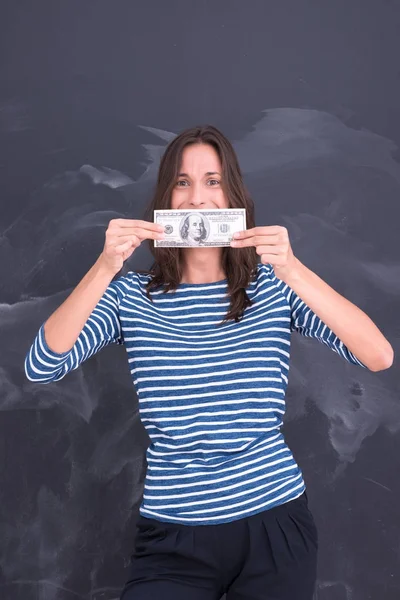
x=273, y=250
x=127, y=246
x=145, y=234
x=242, y=243
x=274, y=259
x=121, y=240
x=256, y=240
x=133, y=241
x=267, y=230
x=134, y=223
x=123, y=234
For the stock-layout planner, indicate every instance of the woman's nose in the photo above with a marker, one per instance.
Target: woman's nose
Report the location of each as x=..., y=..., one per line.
x=196, y=197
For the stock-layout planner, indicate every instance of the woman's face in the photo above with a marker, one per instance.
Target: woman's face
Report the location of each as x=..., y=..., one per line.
x=199, y=181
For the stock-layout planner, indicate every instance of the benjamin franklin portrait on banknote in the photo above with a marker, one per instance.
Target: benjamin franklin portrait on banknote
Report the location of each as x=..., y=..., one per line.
x=194, y=229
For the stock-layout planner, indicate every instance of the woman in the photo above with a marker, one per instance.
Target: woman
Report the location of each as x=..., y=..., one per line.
x=207, y=334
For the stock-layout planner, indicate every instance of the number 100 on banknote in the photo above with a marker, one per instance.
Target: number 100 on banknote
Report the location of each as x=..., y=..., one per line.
x=201, y=228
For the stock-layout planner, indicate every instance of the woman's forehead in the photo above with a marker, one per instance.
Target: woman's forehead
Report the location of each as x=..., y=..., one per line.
x=200, y=159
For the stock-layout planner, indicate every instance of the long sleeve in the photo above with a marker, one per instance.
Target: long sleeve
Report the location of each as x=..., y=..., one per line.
x=308, y=324
x=103, y=327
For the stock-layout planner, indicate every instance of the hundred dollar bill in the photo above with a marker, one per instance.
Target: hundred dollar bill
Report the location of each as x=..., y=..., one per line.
x=203, y=228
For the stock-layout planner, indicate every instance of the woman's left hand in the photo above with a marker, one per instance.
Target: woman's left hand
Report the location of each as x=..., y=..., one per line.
x=272, y=245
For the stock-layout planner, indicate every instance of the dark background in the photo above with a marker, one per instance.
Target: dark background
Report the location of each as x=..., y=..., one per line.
x=90, y=94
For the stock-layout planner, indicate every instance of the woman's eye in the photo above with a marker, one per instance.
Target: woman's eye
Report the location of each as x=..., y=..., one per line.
x=184, y=181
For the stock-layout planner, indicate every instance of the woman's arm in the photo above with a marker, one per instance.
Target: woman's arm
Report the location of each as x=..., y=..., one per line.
x=87, y=321
x=351, y=325
x=63, y=327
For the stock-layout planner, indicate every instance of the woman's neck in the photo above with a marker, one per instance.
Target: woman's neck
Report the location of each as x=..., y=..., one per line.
x=202, y=265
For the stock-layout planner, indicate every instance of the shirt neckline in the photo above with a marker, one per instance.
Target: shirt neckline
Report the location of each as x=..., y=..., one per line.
x=198, y=285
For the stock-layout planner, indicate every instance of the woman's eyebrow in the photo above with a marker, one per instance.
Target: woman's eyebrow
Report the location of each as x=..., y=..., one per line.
x=208, y=173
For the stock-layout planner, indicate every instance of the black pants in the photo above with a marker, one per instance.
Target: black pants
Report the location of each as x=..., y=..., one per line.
x=268, y=556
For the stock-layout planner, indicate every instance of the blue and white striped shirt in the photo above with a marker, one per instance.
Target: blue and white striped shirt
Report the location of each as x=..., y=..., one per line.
x=211, y=396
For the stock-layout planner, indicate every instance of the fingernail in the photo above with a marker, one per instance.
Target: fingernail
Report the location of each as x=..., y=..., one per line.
x=236, y=234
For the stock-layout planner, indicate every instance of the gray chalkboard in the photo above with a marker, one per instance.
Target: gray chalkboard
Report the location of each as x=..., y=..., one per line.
x=91, y=93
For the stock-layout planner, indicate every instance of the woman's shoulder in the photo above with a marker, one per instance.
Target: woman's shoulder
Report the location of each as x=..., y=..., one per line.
x=132, y=280
x=265, y=271
x=266, y=277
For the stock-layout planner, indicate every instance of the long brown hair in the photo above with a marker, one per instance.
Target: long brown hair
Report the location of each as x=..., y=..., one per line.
x=239, y=264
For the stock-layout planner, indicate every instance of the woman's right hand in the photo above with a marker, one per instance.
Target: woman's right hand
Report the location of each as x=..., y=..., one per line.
x=123, y=236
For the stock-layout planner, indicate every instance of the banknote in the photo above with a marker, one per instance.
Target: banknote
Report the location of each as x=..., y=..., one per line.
x=203, y=228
